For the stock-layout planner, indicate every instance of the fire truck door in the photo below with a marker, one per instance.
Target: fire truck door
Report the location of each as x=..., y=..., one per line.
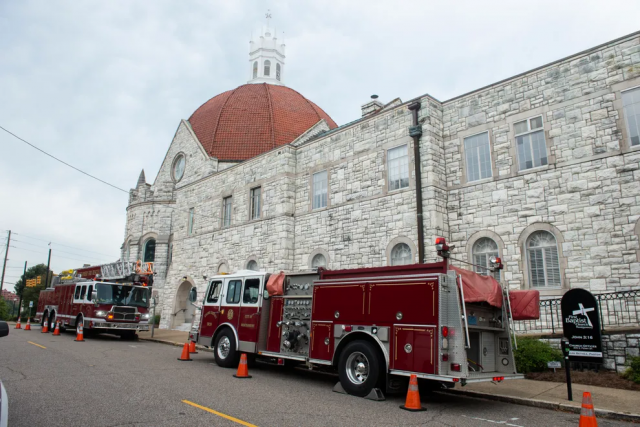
x=211, y=309
x=250, y=313
x=78, y=300
x=414, y=348
x=230, y=307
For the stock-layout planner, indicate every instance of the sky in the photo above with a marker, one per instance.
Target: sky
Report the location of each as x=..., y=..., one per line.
x=103, y=85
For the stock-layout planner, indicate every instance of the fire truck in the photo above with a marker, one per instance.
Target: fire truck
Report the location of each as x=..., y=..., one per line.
x=112, y=298
x=374, y=326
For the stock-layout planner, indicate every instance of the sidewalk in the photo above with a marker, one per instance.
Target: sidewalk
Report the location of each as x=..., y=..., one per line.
x=608, y=402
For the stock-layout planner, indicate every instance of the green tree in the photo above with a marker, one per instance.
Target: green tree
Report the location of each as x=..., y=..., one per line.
x=5, y=311
x=31, y=294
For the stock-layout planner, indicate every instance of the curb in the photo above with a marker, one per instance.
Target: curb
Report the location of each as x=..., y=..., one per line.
x=173, y=343
x=602, y=413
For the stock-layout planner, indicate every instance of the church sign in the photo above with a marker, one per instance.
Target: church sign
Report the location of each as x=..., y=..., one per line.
x=581, y=326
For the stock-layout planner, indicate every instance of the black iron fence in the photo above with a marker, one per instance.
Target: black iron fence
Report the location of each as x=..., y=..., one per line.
x=616, y=309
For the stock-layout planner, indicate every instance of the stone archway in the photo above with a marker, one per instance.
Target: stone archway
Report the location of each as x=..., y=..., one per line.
x=183, y=310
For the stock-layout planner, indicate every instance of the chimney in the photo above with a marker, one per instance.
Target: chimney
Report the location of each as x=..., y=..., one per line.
x=372, y=106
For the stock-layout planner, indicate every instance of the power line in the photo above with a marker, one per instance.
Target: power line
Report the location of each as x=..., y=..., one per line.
x=60, y=244
x=61, y=161
x=57, y=256
x=57, y=250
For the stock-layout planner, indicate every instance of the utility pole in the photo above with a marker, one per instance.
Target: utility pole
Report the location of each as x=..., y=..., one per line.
x=46, y=280
x=4, y=266
x=24, y=285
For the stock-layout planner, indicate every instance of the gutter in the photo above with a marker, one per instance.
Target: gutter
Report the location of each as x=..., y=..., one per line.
x=415, y=131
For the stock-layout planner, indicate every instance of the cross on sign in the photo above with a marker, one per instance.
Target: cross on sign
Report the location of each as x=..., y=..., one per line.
x=583, y=311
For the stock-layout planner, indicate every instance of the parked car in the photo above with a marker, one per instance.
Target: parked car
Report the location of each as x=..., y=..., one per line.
x=4, y=401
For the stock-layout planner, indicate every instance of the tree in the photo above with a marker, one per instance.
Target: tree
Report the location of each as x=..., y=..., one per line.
x=4, y=309
x=31, y=294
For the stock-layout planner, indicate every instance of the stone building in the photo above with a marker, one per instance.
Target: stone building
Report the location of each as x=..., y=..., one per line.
x=542, y=169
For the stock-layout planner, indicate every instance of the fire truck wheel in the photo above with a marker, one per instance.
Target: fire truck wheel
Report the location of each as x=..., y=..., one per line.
x=225, y=350
x=359, y=368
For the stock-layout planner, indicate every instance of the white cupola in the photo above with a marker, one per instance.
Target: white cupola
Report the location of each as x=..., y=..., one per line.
x=266, y=58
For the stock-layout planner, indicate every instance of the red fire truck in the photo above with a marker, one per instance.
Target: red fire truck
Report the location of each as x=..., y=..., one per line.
x=374, y=326
x=110, y=298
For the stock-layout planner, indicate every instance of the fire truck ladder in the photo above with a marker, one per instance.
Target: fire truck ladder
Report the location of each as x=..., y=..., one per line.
x=122, y=269
x=467, y=343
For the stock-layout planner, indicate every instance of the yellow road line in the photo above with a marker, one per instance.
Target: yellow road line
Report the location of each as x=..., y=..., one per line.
x=220, y=414
x=41, y=346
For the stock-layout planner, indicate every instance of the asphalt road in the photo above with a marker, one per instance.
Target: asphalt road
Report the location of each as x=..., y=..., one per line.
x=106, y=381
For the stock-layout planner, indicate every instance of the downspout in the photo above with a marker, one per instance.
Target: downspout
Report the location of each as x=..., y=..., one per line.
x=415, y=131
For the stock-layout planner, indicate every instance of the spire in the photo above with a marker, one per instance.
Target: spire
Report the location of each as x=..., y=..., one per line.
x=141, y=180
x=266, y=57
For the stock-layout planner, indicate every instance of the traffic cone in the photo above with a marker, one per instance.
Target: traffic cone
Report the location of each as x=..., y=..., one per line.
x=192, y=347
x=18, y=324
x=56, y=331
x=243, y=369
x=80, y=335
x=587, y=413
x=413, y=396
x=185, y=354
x=27, y=327
x=45, y=327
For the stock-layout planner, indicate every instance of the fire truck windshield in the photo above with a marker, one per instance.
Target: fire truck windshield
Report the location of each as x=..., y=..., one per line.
x=121, y=295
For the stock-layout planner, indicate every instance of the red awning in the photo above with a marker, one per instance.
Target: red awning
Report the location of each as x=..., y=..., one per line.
x=479, y=288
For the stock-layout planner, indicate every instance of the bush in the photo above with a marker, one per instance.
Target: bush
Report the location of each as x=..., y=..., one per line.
x=156, y=320
x=633, y=372
x=532, y=355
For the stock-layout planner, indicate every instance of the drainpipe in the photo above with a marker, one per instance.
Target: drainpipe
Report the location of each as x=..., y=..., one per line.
x=415, y=131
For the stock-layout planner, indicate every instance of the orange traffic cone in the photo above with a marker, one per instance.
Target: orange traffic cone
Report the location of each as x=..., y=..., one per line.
x=18, y=324
x=27, y=327
x=80, y=334
x=587, y=413
x=243, y=369
x=413, y=396
x=192, y=347
x=185, y=354
x=45, y=327
x=56, y=331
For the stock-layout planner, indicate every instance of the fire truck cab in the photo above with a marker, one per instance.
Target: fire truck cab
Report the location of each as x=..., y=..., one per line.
x=373, y=325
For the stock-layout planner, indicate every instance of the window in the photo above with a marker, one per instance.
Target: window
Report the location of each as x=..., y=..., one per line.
x=532, y=149
x=89, y=292
x=255, y=69
x=170, y=253
x=544, y=264
x=192, y=213
x=233, y=293
x=401, y=254
x=127, y=252
x=83, y=291
x=631, y=103
x=478, y=156
x=223, y=268
x=149, y=250
x=251, y=291
x=267, y=68
x=226, y=211
x=178, y=167
x=318, y=261
x=214, y=292
x=278, y=72
x=319, y=190
x=255, y=195
x=398, y=164
x=252, y=265
x=483, y=250
x=77, y=294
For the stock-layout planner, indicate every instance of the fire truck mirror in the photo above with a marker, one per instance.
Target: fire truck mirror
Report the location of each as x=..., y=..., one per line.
x=265, y=294
x=193, y=294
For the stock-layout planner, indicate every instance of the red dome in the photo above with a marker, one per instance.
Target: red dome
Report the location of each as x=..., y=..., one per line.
x=254, y=118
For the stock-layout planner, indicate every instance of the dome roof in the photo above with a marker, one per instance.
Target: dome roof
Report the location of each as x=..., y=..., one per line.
x=240, y=124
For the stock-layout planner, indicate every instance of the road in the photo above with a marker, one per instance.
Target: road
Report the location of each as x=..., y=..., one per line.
x=105, y=381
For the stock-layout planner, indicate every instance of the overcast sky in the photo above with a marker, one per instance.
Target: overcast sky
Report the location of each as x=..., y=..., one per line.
x=103, y=85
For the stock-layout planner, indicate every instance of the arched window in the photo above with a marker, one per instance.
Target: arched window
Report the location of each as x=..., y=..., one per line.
x=483, y=250
x=223, y=268
x=255, y=69
x=278, y=72
x=544, y=263
x=401, y=254
x=149, y=251
x=127, y=252
x=318, y=261
x=252, y=265
x=267, y=68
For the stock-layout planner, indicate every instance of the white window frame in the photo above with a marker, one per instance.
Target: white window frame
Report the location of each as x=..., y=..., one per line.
x=530, y=132
x=487, y=255
x=255, y=210
x=391, y=164
x=391, y=259
x=255, y=262
x=192, y=214
x=626, y=116
x=314, y=259
x=266, y=68
x=477, y=153
x=544, y=262
x=323, y=190
x=227, y=211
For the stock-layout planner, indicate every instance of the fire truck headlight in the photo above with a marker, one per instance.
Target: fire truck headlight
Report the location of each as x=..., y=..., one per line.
x=145, y=316
x=101, y=313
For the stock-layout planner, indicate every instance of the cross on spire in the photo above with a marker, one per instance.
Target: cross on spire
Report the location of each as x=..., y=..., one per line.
x=268, y=16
